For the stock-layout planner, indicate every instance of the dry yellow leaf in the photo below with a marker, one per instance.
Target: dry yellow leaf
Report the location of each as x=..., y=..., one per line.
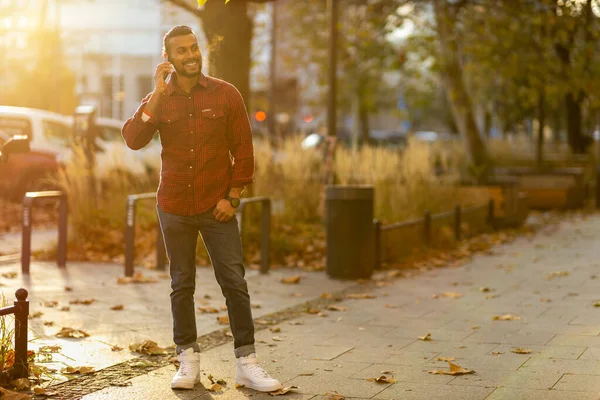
x=208, y=310
x=333, y=307
x=215, y=388
x=597, y=304
x=68, y=289
x=40, y=391
x=454, y=370
x=277, y=339
x=557, y=274
x=65, y=308
x=147, y=347
x=285, y=390
x=485, y=289
x=291, y=279
x=36, y=315
x=116, y=348
x=426, y=337
x=452, y=295
x=520, y=350
x=275, y=329
x=360, y=296
x=48, y=323
x=21, y=384
x=476, y=327
x=506, y=317
x=85, y=302
x=9, y=275
x=72, y=333
x=544, y=300
x=78, y=370
x=118, y=307
x=223, y=320
x=447, y=359
x=333, y=396
x=313, y=310
x=382, y=379
x=51, y=303
x=6, y=394
x=496, y=353
x=326, y=296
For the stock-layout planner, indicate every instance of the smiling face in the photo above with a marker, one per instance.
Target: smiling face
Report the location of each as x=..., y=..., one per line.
x=184, y=53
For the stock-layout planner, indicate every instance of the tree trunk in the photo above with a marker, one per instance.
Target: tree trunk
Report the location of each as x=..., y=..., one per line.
x=228, y=30
x=458, y=97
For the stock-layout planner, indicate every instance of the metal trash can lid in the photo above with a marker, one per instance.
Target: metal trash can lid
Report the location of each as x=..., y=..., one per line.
x=350, y=192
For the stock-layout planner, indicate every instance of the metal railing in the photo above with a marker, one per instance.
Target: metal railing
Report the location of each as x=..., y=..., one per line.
x=27, y=223
x=458, y=213
x=20, y=309
x=132, y=200
x=265, y=228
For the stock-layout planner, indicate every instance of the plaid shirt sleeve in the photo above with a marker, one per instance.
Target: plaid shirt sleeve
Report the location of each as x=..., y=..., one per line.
x=136, y=132
x=239, y=136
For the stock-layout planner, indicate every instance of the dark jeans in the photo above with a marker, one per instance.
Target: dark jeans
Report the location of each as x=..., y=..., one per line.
x=224, y=246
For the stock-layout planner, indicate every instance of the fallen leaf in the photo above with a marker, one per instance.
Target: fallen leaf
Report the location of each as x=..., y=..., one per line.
x=452, y=295
x=326, y=296
x=65, y=308
x=297, y=295
x=36, y=315
x=282, y=391
x=390, y=306
x=556, y=274
x=426, y=337
x=496, y=353
x=223, y=320
x=72, y=333
x=85, y=302
x=491, y=296
x=475, y=327
x=333, y=307
x=48, y=323
x=447, y=359
x=78, y=370
x=116, y=348
x=277, y=339
x=10, y=395
x=454, y=370
x=506, y=317
x=40, y=391
x=597, y=304
x=543, y=300
x=382, y=379
x=290, y=279
x=137, y=278
x=215, y=388
x=118, y=307
x=50, y=349
x=360, y=296
x=147, y=347
x=296, y=323
x=208, y=310
x=520, y=350
x=9, y=275
x=313, y=310
x=255, y=306
x=21, y=384
x=275, y=329
x=333, y=396
x=50, y=304
x=485, y=289
x=229, y=334
x=382, y=372
x=68, y=289
x=146, y=363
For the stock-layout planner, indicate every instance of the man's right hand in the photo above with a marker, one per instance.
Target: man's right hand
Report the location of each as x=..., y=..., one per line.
x=162, y=70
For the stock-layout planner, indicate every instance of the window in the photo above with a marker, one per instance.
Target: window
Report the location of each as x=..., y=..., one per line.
x=11, y=126
x=57, y=132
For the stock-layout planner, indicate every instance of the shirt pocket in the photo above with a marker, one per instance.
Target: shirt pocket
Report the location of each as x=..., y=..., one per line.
x=169, y=125
x=213, y=125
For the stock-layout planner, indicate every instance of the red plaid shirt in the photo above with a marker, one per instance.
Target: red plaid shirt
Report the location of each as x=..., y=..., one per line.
x=206, y=144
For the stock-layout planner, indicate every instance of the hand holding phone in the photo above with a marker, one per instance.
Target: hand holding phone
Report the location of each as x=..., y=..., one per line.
x=163, y=71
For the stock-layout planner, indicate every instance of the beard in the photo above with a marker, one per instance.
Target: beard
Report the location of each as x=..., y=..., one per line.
x=181, y=71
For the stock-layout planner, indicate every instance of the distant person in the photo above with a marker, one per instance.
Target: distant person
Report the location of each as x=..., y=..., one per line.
x=201, y=121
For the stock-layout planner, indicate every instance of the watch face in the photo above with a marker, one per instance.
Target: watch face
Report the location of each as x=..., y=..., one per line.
x=235, y=202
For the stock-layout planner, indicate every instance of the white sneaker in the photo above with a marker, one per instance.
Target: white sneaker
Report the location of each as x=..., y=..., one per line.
x=189, y=370
x=251, y=375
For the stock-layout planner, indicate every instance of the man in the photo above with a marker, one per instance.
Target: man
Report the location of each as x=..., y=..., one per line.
x=201, y=121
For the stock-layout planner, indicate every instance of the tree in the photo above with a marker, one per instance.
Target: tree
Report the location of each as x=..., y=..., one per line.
x=228, y=27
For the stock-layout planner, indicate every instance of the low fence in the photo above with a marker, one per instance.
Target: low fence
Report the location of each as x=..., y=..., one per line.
x=27, y=222
x=132, y=201
x=20, y=309
x=394, y=242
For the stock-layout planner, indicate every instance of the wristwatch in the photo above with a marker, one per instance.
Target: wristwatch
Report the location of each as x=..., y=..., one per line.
x=234, y=201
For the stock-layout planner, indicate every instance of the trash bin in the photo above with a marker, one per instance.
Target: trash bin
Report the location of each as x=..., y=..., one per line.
x=349, y=231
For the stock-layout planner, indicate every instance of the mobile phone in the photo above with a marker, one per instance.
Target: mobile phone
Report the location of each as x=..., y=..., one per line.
x=167, y=76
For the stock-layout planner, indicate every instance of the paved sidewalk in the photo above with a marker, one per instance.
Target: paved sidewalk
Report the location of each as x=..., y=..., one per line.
x=547, y=283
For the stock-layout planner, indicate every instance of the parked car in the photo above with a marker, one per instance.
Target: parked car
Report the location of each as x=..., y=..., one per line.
x=51, y=136
x=48, y=133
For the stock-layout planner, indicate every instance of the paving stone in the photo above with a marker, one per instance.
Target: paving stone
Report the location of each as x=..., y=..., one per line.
x=585, y=367
x=420, y=391
x=566, y=352
x=591, y=383
x=575, y=340
x=519, y=338
x=505, y=393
